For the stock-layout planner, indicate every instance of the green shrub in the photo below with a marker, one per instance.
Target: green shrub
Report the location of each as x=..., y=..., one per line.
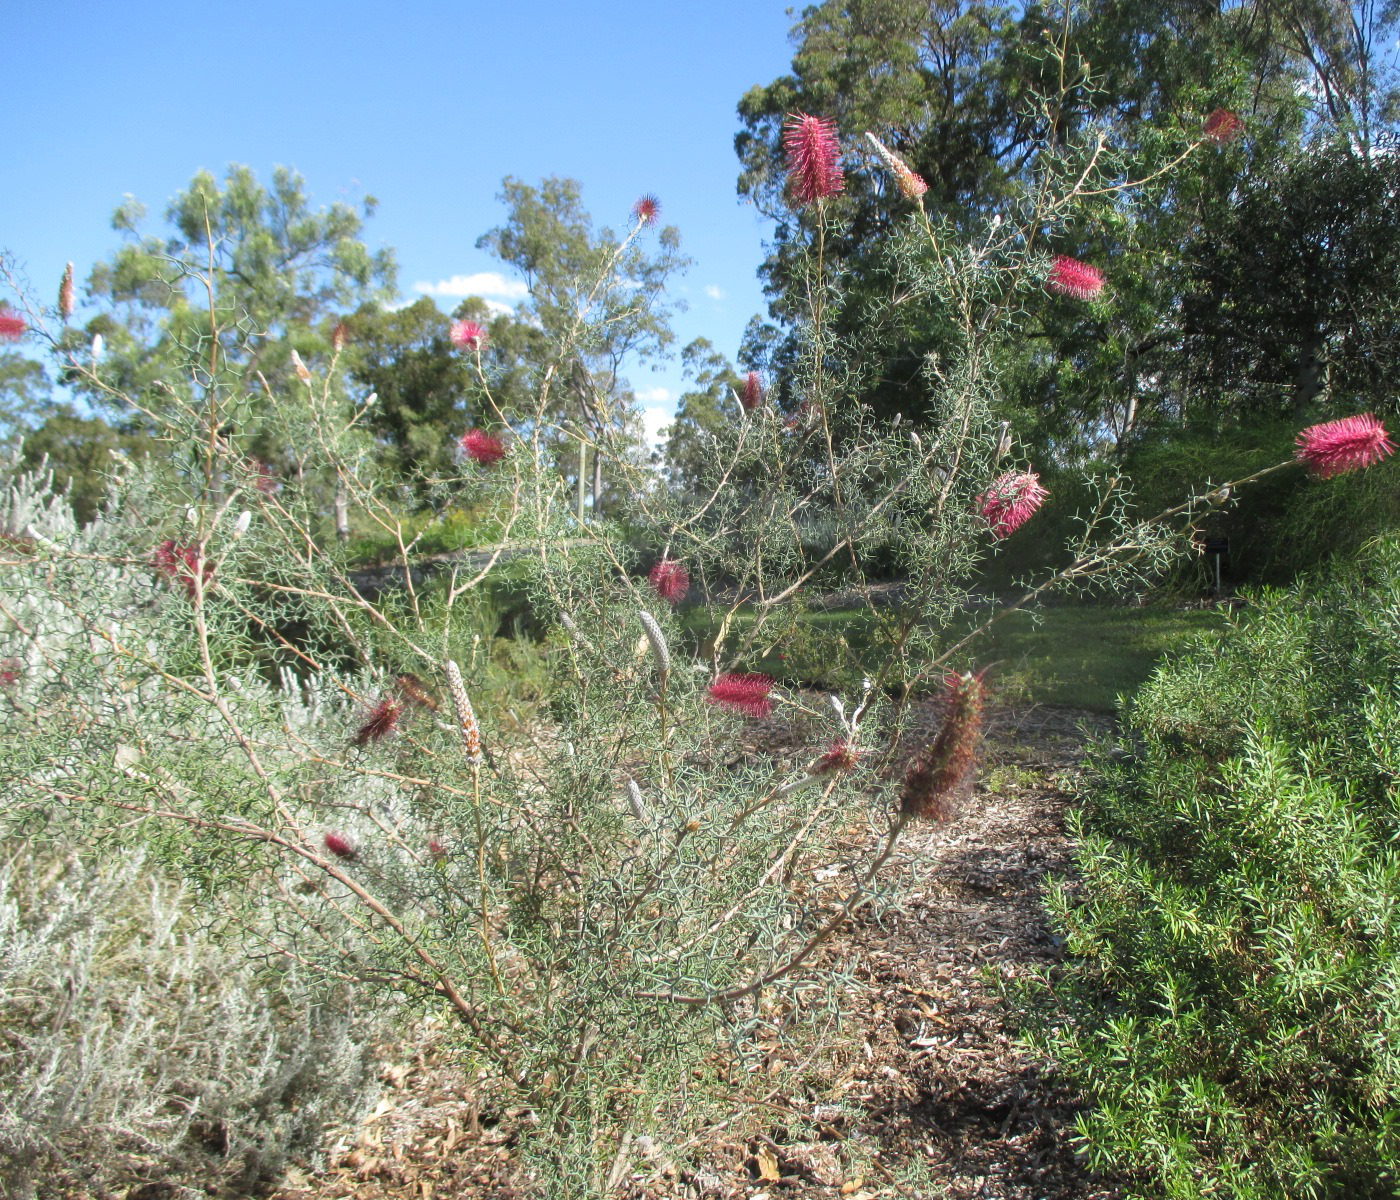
x=1231, y=1004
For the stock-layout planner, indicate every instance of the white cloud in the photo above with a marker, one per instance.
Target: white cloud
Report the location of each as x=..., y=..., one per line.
x=714, y=292
x=655, y=396
x=483, y=283
x=654, y=420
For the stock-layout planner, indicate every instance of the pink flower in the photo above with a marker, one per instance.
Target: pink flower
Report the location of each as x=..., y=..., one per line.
x=437, y=851
x=669, y=580
x=938, y=773
x=380, y=722
x=910, y=183
x=752, y=395
x=813, y=155
x=341, y=846
x=183, y=563
x=1336, y=447
x=65, y=293
x=840, y=756
x=11, y=671
x=1011, y=501
x=647, y=209
x=12, y=328
x=339, y=336
x=468, y=335
x=1070, y=277
x=1222, y=126
x=481, y=447
x=743, y=693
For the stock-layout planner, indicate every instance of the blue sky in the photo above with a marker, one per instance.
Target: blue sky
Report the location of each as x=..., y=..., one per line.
x=422, y=104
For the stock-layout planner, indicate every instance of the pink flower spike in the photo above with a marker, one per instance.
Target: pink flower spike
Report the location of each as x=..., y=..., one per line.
x=1222, y=126
x=182, y=562
x=341, y=846
x=1070, y=277
x=910, y=183
x=840, y=756
x=379, y=722
x=752, y=395
x=745, y=693
x=669, y=580
x=1011, y=501
x=481, y=447
x=468, y=335
x=646, y=210
x=814, y=158
x=12, y=328
x=1336, y=447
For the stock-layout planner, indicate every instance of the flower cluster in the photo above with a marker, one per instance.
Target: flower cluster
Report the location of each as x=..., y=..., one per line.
x=940, y=771
x=1070, y=277
x=742, y=692
x=176, y=561
x=752, y=395
x=481, y=447
x=468, y=335
x=1336, y=447
x=839, y=756
x=380, y=722
x=646, y=210
x=1011, y=501
x=12, y=328
x=669, y=580
x=814, y=158
x=1222, y=126
x=910, y=183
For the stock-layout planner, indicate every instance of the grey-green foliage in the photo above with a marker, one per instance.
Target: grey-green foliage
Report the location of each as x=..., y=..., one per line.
x=129, y=1035
x=1230, y=1002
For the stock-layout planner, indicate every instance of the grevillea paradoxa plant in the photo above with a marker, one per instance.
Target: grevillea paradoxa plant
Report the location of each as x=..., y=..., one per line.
x=592, y=876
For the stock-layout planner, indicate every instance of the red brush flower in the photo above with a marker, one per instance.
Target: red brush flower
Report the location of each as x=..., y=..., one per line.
x=1336, y=447
x=910, y=183
x=182, y=562
x=1070, y=277
x=840, y=756
x=814, y=158
x=437, y=851
x=669, y=580
x=65, y=293
x=647, y=209
x=481, y=447
x=341, y=846
x=11, y=671
x=416, y=691
x=381, y=721
x=1011, y=501
x=12, y=328
x=468, y=335
x=1222, y=126
x=743, y=693
x=752, y=395
x=939, y=772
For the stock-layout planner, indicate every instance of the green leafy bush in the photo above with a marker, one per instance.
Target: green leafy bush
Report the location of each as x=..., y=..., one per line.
x=1231, y=1003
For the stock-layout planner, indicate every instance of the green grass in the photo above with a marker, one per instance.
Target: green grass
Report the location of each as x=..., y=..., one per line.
x=1076, y=656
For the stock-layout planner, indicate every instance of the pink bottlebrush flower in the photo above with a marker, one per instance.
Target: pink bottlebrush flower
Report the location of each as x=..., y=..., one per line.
x=814, y=158
x=468, y=335
x=183, y=563
x=1011, y=501
x=11, y=671
x=669, y=580
x=647, y=209
x=745, y=693
x=752, y=395
x=380, y=722
x=938, y=773
x=1070, y=277
x=339, y=336
x=481, y=447
x=1336, y=447
x=1222, y=126
x=416, y=691
x=65, y=293
x=341, y=846
x=840, y=756
x=437, y=851
x=12, y=328
x=910, y=183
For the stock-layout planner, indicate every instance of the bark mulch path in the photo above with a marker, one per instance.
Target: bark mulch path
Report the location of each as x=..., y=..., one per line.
x=935, y=1097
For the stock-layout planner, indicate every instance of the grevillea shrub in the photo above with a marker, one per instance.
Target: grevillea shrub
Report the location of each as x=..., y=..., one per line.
x=617, y=901
x=1229, y=1001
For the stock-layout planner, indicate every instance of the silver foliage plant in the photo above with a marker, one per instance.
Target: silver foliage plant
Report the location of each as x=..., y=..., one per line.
x=621, y=896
